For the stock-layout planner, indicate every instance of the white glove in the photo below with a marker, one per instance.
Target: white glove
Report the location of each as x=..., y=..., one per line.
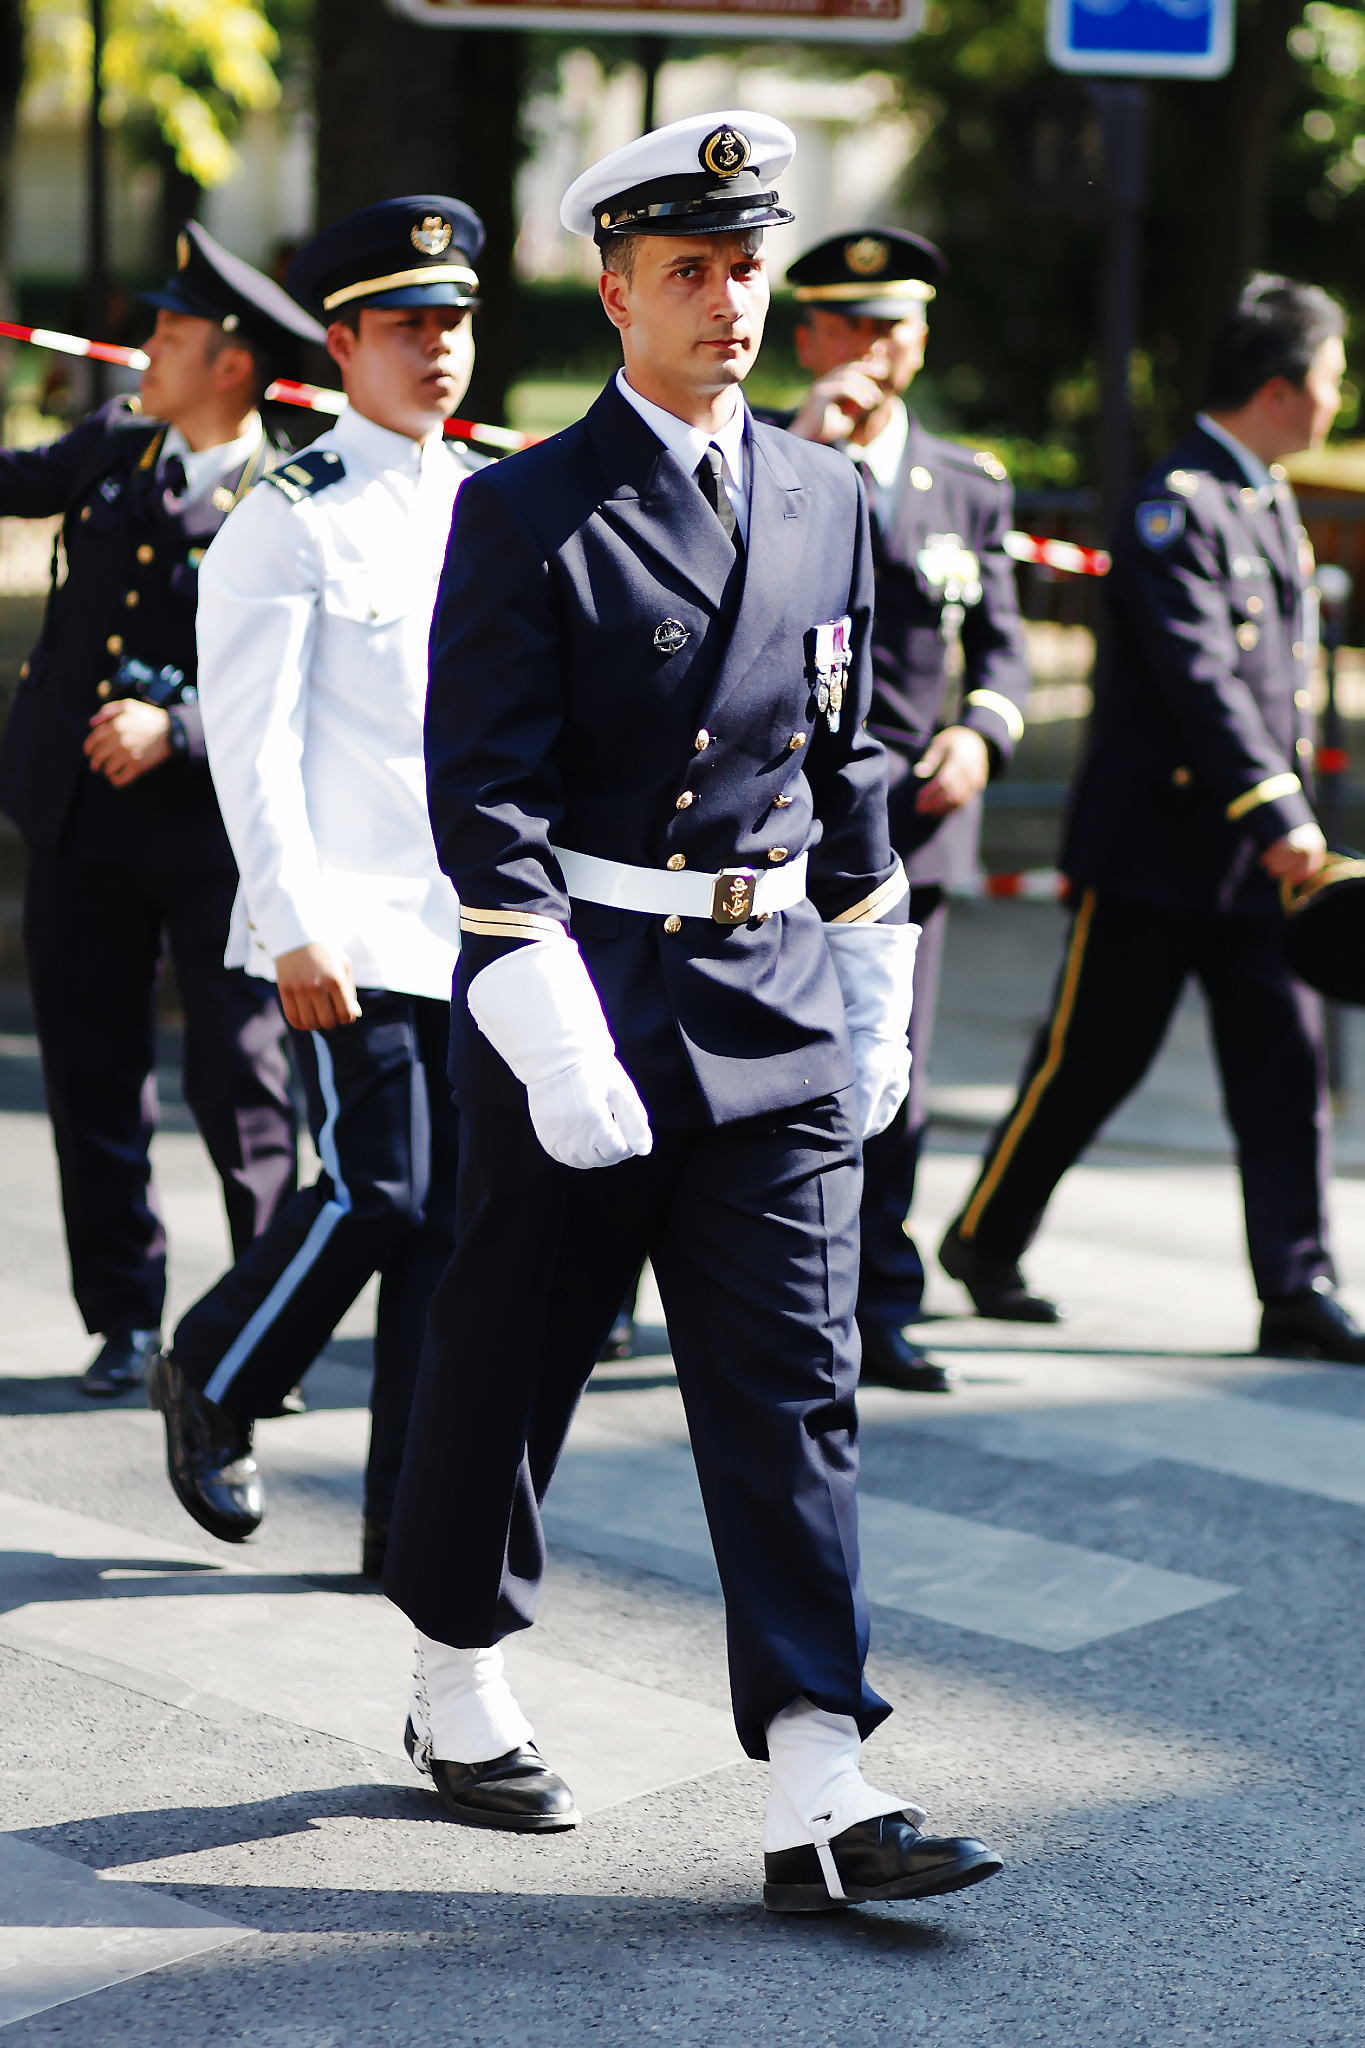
x=537, y=1007
x=875, y=964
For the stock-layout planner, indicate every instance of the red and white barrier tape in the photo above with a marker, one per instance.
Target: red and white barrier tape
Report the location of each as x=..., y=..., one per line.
x=1057, y=554
x=1036, y=885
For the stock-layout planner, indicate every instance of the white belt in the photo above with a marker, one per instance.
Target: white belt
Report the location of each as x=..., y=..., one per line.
x=731, y=897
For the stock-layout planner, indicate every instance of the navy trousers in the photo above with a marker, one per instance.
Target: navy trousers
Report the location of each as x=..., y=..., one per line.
x=891, y=1280
x=752, y=1229
x=93, y=934
x=1125, y=967
x=387, y=1133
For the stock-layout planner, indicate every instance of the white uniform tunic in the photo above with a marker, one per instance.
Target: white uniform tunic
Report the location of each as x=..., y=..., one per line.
x=313, y=624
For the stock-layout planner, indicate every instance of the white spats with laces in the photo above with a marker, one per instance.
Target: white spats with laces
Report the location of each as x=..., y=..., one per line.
x=816, y=1789
x=463, y=1710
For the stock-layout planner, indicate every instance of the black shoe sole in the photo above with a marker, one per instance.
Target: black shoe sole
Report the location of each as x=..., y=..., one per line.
x=990, y=1307
x=1303, y=1348
x=953, y=1877
x=933, y=1381
x=237, y=1531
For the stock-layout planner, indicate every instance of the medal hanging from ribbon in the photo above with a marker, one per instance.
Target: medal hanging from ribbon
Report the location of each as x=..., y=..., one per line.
x=833, y=659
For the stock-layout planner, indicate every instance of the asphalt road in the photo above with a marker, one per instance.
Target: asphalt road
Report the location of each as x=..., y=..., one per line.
x=1117, y=1579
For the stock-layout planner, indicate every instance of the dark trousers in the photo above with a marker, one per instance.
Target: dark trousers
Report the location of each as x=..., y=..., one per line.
x=93, y=934
x=1125, y=967
x=891, y=1283
x=752, y=1230
x=388, y=1136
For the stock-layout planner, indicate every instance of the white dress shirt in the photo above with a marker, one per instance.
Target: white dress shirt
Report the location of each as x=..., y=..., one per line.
x=206, y=468
x=689, y=444
x=1252, y=467
x=880, y=461
x=313, y=625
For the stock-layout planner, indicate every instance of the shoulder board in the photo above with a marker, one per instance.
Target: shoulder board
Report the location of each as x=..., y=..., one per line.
x=307, y=474
x=1185, y=482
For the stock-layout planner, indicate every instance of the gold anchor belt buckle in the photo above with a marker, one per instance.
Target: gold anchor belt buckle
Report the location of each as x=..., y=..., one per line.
x=732, y=897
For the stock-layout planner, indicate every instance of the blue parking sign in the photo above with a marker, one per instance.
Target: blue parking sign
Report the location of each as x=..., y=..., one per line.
x=1141, y=38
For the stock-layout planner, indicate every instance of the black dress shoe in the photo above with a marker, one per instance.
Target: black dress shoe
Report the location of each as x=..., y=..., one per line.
x=621, y=1341
x=517, y=1792
x=1313, y=1324
x=891, y=1360
x=208, y=1456
x=120, y=1365
x=885, y=1858
x=374, y=1542
x=998, y=1289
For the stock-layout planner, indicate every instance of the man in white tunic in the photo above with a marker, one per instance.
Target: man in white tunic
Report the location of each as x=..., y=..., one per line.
x=315, y=607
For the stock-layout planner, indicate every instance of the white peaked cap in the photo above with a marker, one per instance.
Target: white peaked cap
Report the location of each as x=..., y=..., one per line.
x=705, y=175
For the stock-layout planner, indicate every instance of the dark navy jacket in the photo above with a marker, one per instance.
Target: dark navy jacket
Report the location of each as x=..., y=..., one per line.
x=130, y=589
x=1200, y=752
x=553, y=717
x=943, y=489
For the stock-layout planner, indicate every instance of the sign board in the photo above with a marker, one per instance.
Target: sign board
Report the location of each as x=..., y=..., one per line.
x=1141, y=38
x=752, y=21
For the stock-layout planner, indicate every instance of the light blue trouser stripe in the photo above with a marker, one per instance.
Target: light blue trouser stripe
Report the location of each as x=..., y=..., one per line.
x=309, y=1251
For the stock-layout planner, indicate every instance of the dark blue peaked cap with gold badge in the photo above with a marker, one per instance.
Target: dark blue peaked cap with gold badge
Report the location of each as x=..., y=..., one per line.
x=416, y=251
x=708, y=175
x=211, y=283
x=883, y=273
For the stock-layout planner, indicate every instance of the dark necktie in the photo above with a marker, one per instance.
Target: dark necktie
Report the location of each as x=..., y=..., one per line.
x=711, y=483
x=174, y=481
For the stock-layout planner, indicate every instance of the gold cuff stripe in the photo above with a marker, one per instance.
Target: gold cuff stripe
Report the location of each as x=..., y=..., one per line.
x=430, y=273
x=991, y=700
x=882, y=899
x=510, y=924
x=1038, y=1086
x=849, y=294
x=1266, y=792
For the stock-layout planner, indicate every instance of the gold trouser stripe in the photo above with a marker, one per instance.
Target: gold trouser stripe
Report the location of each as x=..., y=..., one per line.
x=430, y=273
x=883, y=898
x=991, y=700
x=1037, y=1087
x=1264, y=793
x=509, y=924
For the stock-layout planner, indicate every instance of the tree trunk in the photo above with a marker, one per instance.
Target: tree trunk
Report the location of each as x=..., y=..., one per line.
x=409, y=109
x=1211, y=158
x=11, y=84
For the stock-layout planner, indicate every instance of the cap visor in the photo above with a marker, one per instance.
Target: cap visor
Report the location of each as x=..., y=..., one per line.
x=878, y=309
x=419, y=295
x=175, y=301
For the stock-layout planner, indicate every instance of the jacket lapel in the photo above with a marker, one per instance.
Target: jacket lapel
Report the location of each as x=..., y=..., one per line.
x=779, y=507
x=650, y=500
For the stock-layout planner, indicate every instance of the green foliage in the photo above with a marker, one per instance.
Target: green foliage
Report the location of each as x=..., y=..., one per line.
x=187, y=68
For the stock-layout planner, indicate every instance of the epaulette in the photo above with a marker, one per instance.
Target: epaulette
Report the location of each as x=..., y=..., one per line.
x=1183, y=481
x=307, y=474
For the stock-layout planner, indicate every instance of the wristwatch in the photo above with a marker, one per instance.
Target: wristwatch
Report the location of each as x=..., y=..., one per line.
x=178, y=737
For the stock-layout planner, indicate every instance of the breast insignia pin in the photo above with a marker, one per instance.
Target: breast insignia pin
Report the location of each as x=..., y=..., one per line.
x=833, y=659
x=670, y=635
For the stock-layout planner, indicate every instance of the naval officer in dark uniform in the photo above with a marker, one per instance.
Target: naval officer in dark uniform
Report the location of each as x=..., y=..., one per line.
x=1193, y=809
x=949, y=674
x=103, y=770
x=682, y=1000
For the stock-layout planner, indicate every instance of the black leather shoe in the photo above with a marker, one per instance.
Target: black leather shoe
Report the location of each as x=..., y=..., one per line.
x=885, y=1858
x=621, y=1342
x=891, y=1360
x=374, y=1542
x=208, y=1456
x=517, y=1792
x=998, y=1289
x=120, y=1365
x=1313, y=1324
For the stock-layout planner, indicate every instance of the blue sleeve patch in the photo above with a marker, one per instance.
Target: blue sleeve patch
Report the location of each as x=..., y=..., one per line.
x=303, y=476
x=1160, y=523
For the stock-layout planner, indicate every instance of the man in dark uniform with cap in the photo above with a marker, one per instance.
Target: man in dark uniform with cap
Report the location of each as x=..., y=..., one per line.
x=1191, y=813
x=103, y=770
x=314, y=618
x=949, y=669
x=684, y=983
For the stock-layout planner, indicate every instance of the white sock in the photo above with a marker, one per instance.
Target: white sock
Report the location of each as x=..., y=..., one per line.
x=815, y=1788
x=463, y=1710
